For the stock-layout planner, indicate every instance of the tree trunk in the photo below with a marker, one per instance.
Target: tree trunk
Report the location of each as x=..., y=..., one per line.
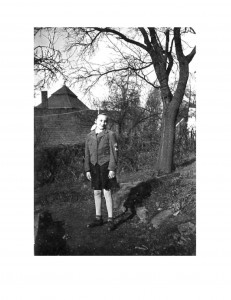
x=165, y=155
x=165, y=163
x=171, y=106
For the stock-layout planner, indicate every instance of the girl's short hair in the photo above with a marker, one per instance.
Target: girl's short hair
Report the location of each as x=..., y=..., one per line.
x=102, y=114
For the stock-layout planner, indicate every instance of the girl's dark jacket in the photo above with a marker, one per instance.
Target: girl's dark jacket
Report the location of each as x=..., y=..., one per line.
x=101, y=149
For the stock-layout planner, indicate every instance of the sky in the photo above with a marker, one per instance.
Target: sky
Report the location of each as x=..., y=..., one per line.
x=100, y=91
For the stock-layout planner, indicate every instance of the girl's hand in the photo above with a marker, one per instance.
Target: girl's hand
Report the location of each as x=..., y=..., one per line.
x=111, y=174
x=88, y=174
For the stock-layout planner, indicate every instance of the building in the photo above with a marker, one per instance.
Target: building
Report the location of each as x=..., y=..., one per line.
x=63, y=98
x=61, y=119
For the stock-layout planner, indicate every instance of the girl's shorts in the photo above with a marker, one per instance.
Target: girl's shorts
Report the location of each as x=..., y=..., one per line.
x=99, y=177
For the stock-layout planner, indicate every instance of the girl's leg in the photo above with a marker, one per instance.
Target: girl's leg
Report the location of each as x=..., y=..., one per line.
x=109, y=203
x=97, y=197
x=98, y=221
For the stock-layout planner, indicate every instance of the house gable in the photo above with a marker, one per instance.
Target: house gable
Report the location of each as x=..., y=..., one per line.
x=63, y=98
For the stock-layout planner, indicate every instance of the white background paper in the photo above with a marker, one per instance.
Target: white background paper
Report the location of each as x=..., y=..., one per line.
x=206, y=276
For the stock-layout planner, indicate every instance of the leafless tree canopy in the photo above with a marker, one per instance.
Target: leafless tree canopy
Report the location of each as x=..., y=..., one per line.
x=154, y=56
x=142, y=51
x=49, y=61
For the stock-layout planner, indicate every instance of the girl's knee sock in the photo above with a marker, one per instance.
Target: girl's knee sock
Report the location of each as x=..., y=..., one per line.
x=109, y=203
x=97, y=196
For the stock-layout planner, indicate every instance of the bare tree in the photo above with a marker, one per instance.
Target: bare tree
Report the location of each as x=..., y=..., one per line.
x=49, y=63
x=124, y=100
x=143, y=51
x=154, y=109
x=154, y=55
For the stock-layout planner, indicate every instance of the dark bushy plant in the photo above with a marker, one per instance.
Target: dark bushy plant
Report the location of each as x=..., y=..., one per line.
x=60, y=163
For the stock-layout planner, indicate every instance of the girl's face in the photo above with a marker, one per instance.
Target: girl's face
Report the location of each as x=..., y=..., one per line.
x=101, y=122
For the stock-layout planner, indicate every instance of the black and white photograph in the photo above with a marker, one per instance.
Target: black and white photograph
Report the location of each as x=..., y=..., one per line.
x=115, y=141
x=115, y=150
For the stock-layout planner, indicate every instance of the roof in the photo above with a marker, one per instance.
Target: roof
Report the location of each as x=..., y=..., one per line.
x=64, y=98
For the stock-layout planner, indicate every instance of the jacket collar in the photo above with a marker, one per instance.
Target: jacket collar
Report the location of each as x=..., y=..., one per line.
x=102, y=133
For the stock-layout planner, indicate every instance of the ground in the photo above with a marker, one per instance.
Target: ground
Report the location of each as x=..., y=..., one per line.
x=64, y=212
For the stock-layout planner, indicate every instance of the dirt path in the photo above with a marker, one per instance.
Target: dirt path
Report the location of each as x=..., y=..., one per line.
x=176, y=236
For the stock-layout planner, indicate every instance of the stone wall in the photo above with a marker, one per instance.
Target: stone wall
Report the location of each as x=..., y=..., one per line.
x=65, y=126
x=45, y=111
x=61, y=126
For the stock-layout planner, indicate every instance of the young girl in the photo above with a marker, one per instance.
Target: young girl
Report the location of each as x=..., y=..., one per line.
x=100, y=165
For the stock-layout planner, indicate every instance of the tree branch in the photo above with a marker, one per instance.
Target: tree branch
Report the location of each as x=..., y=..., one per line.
x=167, y=41
x=121, y=35
x=190, y=56
x=146, y=39
x=170, y=64
x=155, y=40
x=178, y=45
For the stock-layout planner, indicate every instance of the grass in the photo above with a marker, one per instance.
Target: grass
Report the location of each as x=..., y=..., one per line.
x=73, y=204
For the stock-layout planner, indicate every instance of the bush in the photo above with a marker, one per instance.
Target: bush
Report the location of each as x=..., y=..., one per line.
x=185, y=146
x=135, y=153
x=58, y=164
x=65, y=163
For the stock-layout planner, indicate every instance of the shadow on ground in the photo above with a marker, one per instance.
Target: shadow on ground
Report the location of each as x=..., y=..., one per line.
x=63, y=228
x=186, y=163
x=50, y=239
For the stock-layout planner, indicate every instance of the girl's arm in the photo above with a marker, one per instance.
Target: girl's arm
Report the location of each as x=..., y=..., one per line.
x=113, y=151
x=87, y=157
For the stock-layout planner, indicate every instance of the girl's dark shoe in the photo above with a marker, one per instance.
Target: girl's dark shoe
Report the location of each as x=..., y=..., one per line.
x=111, y=226
x=96, y=222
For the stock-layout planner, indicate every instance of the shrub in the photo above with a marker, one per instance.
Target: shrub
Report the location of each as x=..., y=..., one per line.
x=59, y=164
